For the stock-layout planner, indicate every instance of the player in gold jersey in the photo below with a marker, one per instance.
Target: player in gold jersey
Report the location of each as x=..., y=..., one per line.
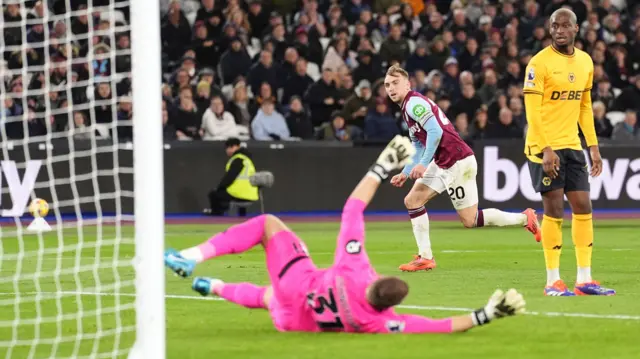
x=557, y=88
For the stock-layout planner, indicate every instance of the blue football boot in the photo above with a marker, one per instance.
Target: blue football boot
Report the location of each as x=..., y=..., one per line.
x=178, y=264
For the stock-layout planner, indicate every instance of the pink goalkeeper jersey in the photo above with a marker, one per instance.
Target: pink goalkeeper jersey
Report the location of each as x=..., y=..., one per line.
x=339, y=301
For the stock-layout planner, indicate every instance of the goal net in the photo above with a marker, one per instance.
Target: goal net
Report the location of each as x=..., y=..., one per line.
x=76, y=77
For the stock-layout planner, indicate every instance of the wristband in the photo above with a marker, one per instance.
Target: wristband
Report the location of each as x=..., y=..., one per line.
x=480, y=317
x=378, y=171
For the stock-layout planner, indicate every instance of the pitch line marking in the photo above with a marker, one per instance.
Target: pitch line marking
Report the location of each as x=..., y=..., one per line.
x=415, y=307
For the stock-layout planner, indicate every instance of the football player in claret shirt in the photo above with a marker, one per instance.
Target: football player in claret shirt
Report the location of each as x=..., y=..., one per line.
x=349, y=296
x=557, y=94
x=443, y=163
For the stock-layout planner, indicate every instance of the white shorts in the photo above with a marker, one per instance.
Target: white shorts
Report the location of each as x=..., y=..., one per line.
x=459, y=180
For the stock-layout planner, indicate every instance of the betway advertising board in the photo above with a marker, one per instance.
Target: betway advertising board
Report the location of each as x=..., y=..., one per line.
x=504, y=179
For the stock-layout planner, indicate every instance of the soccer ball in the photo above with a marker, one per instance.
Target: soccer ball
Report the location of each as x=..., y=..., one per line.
x=39, y=208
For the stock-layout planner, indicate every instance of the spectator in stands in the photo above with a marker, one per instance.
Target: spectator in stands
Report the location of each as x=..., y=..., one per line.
x=125, y=117
x=258, y=17
x=102, y=98
x=240, y=105
x=379, y=125
x=234, y=62
x=419, y=60
x=499, y=102
x=517, y=110
x=176, y=32
x=79, y=126
x=627, y=130
x=409, y=23
x=207, y=75
x=168, y=130
x=269, y=124
x=337, y=129
x=288, y=66
x=462, y=125
x=479, y=128
x=369, y=67
x=181, y=80
x=322, y=97
x=489, y=88
x=630, y=97
x=203, y=96
x=265, y=93
x=298, y=82
x=357, y=106
x=395, y=47
x=603, y=125
x=298, y=120
x=445, y=105
x=204, y=46
x=512, y=76
x=483, y=39
x=469, y=58
x=450, y=82
x=469, y=102
x=185, y=117
x=345, y=88
x=264, y=71
x=602, y=92
x=218, y=124
x=505, y=127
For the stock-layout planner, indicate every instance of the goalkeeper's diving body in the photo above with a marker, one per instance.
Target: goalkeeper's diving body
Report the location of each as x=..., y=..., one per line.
x=349, y=296
x=557, y=94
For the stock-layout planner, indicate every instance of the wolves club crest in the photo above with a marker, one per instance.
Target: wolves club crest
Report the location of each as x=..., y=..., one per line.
x=572, y=77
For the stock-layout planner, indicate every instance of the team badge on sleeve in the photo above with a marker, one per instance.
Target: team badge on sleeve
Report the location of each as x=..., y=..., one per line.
x=419, y=111
x=531, y=75
x=395, y=326
x=353, y=247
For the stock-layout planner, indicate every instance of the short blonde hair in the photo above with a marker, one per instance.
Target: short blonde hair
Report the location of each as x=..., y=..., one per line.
x=396, y=70
x=599, y=105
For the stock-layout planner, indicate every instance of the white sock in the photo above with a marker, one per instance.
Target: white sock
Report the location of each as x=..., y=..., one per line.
x=192, y=253
x=420, y=226
x=496, y=217
x=553, y=275
x=584, y=275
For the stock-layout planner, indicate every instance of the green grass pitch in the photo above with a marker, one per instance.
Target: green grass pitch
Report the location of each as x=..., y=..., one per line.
x=471, y=264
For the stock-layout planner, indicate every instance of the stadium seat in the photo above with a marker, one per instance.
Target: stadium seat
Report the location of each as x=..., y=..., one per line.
x=615, y=117
x=616, y=91
x=325, y=42
x=262, y=180
x=313, y=71
x=412, y=45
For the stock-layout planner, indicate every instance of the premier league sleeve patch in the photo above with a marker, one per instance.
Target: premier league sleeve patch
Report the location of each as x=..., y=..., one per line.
x=531, y=75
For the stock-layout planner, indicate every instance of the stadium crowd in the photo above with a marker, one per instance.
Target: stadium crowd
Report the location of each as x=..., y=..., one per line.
x=309, y=69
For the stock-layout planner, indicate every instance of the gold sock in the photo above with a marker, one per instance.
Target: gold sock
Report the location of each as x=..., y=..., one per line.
x=552, y=241
x=582, y=234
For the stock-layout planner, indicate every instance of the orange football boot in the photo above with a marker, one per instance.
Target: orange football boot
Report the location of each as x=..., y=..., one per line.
x=533, y=225
x=418, y=263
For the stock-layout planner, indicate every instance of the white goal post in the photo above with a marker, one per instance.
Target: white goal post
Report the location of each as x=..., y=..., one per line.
x=148, y=183
x=81, y=128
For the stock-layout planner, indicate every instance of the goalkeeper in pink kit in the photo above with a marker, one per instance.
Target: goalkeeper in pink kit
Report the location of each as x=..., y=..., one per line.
x=347, y=297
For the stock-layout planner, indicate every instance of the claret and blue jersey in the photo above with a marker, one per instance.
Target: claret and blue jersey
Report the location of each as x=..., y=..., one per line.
x=432, y=133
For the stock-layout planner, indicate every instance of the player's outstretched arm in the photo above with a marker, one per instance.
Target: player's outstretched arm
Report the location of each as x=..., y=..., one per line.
x=395, y=156
x=500, y=305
